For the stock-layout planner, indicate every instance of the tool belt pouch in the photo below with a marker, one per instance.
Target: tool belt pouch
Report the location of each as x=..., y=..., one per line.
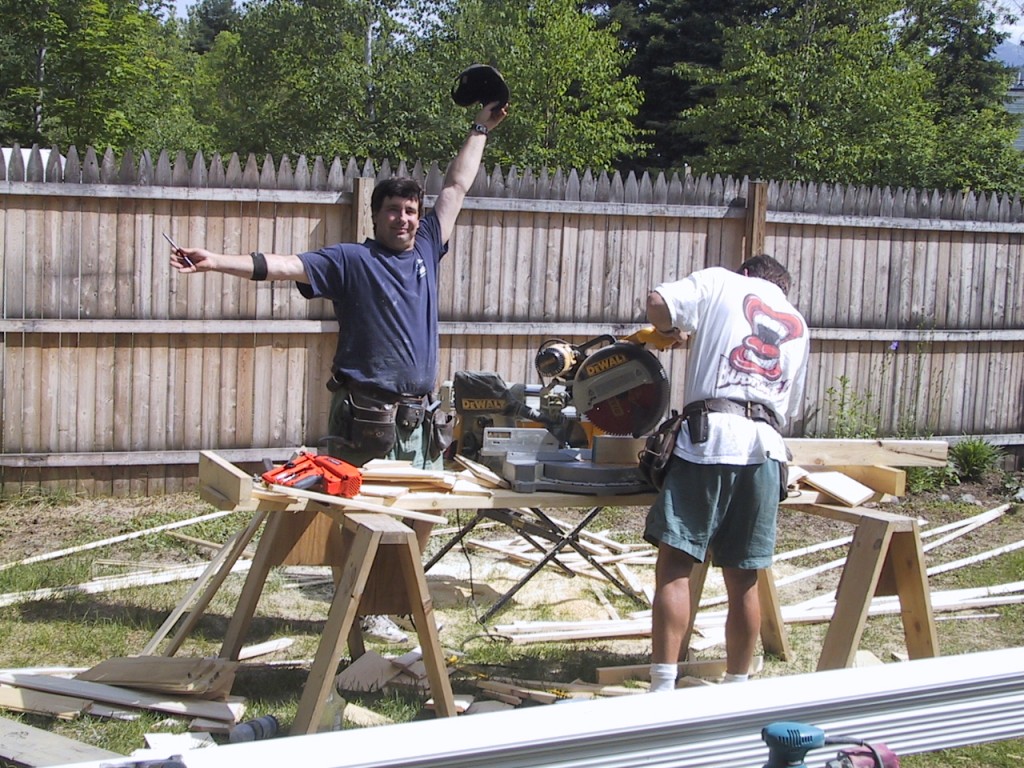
x=697, y=425
x=409, y=416
x=657, y=451
x=371, y=423
x=442, y=431
x=783, y=481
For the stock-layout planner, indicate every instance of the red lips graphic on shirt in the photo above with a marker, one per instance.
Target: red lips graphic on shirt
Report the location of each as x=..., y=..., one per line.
x=759, y=353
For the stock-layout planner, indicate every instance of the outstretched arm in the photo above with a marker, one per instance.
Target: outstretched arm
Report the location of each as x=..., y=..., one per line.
x=463, y=169
x=278, y=267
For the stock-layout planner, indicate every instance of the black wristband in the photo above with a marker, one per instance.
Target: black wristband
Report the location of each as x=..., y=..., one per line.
x=259, y=266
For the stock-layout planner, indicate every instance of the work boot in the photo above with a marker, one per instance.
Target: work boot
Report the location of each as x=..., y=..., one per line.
x=382, y=628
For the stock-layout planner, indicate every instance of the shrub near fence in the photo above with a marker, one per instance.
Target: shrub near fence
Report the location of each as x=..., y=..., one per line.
x=116, y=370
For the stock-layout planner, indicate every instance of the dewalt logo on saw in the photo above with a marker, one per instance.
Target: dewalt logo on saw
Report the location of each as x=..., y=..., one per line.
x=482, y=404
x=605, y=365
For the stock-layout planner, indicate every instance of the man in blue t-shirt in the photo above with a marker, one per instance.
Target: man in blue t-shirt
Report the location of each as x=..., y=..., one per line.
x=384, y=292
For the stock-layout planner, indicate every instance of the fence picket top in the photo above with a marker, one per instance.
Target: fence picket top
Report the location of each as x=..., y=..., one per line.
x=630, y=189
x=951, y=206
x=162, y=170
x=498, y=187
x=17, y=169
x=72, y=166
x=127, y=172
x=180, y=170
x=145, y=169
x=35, y=171
x=302, y=172
x=285, y=175
x=31, y=171
x=107, y=167
x=200, y=176
x=267, y=174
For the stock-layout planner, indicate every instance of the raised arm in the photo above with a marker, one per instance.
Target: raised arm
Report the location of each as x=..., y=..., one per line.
x=463, y=168
x=273, y=266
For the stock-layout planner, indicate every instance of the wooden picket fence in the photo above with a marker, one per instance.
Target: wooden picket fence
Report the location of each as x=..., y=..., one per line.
x=116, y=370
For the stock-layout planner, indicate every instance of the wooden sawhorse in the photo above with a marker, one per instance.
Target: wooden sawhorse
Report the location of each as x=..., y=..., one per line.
x=377, y=567
x=885, y=558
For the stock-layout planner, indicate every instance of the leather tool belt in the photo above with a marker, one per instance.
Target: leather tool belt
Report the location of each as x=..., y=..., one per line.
x=696, y=414
x=752, y=411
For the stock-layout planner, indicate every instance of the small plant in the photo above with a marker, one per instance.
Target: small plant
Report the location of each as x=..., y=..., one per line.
x=850, y=414
x=974, y=457
x=924, y=479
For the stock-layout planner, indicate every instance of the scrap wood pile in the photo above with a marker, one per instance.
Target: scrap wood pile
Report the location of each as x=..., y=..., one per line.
x=373, y=672
x=194, y=688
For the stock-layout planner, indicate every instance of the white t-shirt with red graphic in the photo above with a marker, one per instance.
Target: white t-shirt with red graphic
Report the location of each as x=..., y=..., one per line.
x=747, y=343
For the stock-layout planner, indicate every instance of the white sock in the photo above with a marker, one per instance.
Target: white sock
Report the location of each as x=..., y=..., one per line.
x=663, y=677
x=731, y=678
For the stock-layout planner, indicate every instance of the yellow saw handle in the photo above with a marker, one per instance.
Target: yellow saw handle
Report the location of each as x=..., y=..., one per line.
x=651, y=335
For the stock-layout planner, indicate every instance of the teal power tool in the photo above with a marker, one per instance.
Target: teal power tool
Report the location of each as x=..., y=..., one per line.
x=788, y=744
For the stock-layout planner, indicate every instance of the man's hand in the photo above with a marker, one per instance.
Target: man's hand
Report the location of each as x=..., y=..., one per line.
x=192, y=259
x=491, y=115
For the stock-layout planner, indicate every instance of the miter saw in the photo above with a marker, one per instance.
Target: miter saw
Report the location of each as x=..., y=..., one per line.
x=539, y=438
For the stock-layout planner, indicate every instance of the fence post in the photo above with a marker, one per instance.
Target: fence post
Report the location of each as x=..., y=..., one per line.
x=362, y=221
x=756, y=220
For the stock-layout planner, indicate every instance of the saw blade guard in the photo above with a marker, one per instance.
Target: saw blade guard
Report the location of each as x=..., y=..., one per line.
x=622, y=389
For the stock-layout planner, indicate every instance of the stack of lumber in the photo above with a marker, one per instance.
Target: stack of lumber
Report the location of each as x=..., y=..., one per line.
x=186, y=687
x=204, y=678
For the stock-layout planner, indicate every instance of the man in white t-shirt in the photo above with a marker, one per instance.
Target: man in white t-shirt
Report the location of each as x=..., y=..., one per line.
x=744, y=383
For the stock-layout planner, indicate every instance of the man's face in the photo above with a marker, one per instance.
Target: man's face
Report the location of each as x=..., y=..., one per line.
x=395, y=224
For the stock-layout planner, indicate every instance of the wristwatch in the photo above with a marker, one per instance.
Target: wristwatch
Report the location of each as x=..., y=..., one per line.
x=479, y=128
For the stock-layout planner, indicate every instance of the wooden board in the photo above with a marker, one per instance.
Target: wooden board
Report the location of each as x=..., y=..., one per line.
x=37, y=702
x=207, y=678
x=842, y=488
x=882, y=479
x=809, y=452
x=125, y=697
x=30, y=746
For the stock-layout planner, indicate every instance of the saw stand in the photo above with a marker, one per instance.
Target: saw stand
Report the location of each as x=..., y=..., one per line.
x=532, y=529
x=376, y=561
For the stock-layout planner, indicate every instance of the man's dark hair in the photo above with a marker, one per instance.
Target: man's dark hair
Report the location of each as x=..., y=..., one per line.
x=766, y=268
x=397, y=186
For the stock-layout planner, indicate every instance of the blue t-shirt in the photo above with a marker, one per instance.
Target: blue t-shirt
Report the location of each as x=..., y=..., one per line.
x=386, y=305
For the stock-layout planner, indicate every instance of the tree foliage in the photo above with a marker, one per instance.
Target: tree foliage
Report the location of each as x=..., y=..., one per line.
x=572, y=105
x=897, y=92
x=84, y=71
x=658, y=35
x=847, y=91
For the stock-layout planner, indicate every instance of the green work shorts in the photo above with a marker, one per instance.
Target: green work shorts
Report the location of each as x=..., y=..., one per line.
x=731, y=509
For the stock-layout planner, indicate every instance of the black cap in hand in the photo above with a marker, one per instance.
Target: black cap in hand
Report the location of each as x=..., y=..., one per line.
x=480, y=83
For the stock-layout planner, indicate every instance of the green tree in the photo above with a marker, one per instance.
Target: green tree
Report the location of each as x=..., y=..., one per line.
x=658, y=36
x=957, y=40
x=207, y=19
x=572, y=103
x=304, y=77
x=89, y=72
x=828, y=91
